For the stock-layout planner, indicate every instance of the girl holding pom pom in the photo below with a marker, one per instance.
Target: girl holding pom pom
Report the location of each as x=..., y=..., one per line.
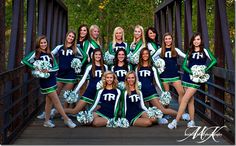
x=108, y=99
x=94, y=71
x=48, y=86
x=152, y=40
x=146, y=75
x=67, y=76
x=197, y=55
x=133, y=108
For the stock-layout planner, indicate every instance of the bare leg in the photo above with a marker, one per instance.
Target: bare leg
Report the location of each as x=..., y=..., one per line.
x=79, y=106
x=143, y=121
x=68, y=86
x=187, y=96
x=191, y=108
x=169, y=111
x=55, y=100
x=59, y=87
x=48, y=107
x=180, y=90
x=99, y=121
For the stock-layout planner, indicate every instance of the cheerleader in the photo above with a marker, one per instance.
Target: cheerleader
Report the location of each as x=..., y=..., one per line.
x=121, y=65
x=146, y=75
x=94, y=41
x=48, y=85
x=66, y=76
x=133, y=108
x=152, y=40
x=108, y=99
x=94, y=71
x=169, y=53
x=137, y=44
x=196, y=56
x=118, y=41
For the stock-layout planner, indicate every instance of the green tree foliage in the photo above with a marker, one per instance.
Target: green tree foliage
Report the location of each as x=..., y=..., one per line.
x=108, y=14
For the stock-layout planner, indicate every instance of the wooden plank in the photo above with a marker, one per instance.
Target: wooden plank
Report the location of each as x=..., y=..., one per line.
x=178, y=34
x=2, y=36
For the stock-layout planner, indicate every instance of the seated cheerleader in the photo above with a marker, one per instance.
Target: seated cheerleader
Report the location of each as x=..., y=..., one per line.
x=121, y=65
x=108, y=99
x=94, y=71
x=196, y=56
x=48, y=86
x=146, y=75
x=133, y=108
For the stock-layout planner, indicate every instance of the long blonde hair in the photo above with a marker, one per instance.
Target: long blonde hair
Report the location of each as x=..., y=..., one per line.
x=143, y=35
x=114, y=35
x=92, y=27
x=135, y=83
x=115, y=81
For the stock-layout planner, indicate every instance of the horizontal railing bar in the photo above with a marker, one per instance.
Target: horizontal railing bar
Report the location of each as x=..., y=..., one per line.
x=164, y=4
x=221, y=88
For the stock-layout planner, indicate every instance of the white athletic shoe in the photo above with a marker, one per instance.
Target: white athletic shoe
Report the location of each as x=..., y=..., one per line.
x=173, y=124
x=41, y=116
x=186, y=117
x=191, y=124
x=70, y=124
x=48, y=124
x=162, y=121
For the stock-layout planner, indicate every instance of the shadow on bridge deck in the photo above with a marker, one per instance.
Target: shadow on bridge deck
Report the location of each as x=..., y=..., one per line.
x=35, y=133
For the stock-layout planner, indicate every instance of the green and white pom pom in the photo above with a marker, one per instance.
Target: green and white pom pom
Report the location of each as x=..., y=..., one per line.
x=40, y=65
x=199, y=75
x=139, y=85
x=160, y=64
x=133, y=58
x=123, y=123
x=76, y=64
x=153, y=112
x=71, y=96
x=121, y=85
x=165, y=98
x=85, y=117
x=112, y=123
x=99, y=85
x=108, y=58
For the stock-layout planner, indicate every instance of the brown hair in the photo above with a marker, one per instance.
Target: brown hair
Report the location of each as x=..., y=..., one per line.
x=163, y=46
x=93, y=61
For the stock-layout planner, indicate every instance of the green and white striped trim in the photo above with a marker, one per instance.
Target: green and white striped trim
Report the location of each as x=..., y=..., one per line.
x=190, y=85
x=153, y=96
x=66, y=80
x=48, y=90
x=169, y=80
x=135, y=118
x=101, y=115
x=88, y=100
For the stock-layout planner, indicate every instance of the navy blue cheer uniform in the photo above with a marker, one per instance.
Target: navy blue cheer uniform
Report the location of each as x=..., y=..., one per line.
x=109, y=103
x=47, y=85
x=147, y=76
x=121, y=72
x=66, y=73
x=90, y=92
x=133, y=106
x=196, y=58
x=170, y=73
x=152, y=47
x=113, y=48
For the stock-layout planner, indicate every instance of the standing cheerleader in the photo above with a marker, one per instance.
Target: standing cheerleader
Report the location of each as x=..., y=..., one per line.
x=196, y=56
x=152, y=40
x=108, y=99
x=169, y=54
x=133, y=108
x=147, y=74
x=118, y=41
x=121, y=66
x=66, y=76
x=94, y=32
x=94, y=71
x=48, y=85
x=137, y=44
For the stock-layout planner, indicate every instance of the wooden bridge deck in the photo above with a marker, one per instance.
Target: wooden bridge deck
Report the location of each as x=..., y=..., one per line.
x=35, y=133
